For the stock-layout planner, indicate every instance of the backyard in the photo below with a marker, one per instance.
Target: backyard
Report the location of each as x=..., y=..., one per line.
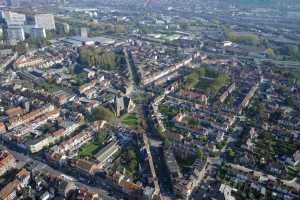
x=206, y=80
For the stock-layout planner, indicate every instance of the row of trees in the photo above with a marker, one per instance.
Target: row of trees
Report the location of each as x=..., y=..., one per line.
x=245, y=38
x=91, y=56
x=286, y=52
x=131, y=161
x=291, y=51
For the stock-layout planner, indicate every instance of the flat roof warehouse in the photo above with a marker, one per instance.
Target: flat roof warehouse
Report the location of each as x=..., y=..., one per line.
x=79, y=41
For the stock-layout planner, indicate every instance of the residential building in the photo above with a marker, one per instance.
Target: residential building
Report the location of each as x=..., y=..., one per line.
x=23, y=177
x=16, y=121
x=107, y=152
x=66, y=28
x=76, y=142
x=38, y=33
x=15, y=111
x=13, y=3
x=184, y=187
x=84, y=32
x=85, y=166
x=23, y=62
x=45, y=21
x=7, y=162
x=9, y=191
x=13, y=18
x=87, y=86
x=70, y=127
x=127, y=186
x=15, y=34
x=39, y=144
x=230, y=89
x=194, y=96
x=6, y=62
x=172, y=165
x=2, y=128
x=183, y=150
x=227, y=192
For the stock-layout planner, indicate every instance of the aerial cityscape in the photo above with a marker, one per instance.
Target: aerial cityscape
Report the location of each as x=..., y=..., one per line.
x=150, y=100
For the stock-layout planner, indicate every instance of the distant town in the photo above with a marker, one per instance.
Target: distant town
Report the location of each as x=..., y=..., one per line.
x=149, y=100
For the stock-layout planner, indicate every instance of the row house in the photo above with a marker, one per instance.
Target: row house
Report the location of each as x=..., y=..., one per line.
x=84, y=166
x=76, y=142
x=126, y=185
x=172, y=165
x=248, y=97
x=39, y=144
x=28, y=62
x=2, y=128
x=87, y=86
x=194, y=96
x=229, y=90
x=18, y=133
x=7, y=162
x=184, y=187
x=9, y=191
x=16, y=121
x=15, y=111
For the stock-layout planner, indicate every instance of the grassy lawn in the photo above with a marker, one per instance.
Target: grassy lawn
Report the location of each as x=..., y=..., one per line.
x=168, y=111
x=204, y=84
x=90, y=149
x=207, y=80
x=50, y=86
x=212, y=87
x=130, y=120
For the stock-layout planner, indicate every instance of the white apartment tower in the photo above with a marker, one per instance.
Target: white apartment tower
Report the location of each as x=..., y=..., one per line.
x=45, y=21
x=15, y=34
x=38, y=33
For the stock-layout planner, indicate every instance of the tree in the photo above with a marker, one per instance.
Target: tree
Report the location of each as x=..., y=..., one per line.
x=131, y=155
x=120, y=28
x=245, y=38
x=167, y=143
x=192, y=80
x=101, y=113
x=275, y=116
x=270, y=53
x=91, y=56
x=293, y=51
x=131, y=161
x=231, y=153
x=199, y=154
x=101, y=136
